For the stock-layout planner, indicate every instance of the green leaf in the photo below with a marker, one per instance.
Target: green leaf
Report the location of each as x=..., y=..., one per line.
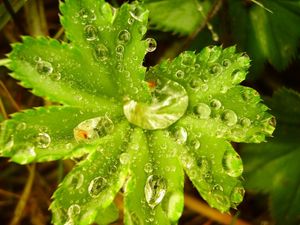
x=108, y=215
x=37, y=135
x=182, y=17
x=100, y=173
x=273, y=167
x=265, y=35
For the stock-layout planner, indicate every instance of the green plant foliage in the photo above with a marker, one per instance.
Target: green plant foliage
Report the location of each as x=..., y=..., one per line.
x=128, y=128
x=264, y=34
x=273, y=167
x=178, y=16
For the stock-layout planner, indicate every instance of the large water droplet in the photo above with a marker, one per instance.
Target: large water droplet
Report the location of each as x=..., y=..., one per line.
x=44, y=67
x=187, y=60
x=245, y=122
x=96, y=186
x=43, y=140
x=90, y=32
x=168, y=105
x=151, y=44
x=202, y=110
x=101, y=52
x=124, y=36
x=237, y=194
x=232, y=163
x=138, y=13
x=180, y=135
x=76, y=181
x=92, y=129
x=155, y=190
x=229, y=117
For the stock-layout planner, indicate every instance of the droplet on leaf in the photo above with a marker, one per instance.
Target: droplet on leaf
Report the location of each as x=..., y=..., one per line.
x=73, y=210
x=96, y=186
x=202, y=110
x=148, y=168
x=101, y=52
x=151, y=44
x=24, y=154
x=245, y=122
x=179, y=74
x=155, y=190
x=232, y=163
x=43, y=140
x=124, y=36
x=90, y=32
x=124, y=158
x=44, y=67
x=229, y=117
x=180, y=135
x=215, y=104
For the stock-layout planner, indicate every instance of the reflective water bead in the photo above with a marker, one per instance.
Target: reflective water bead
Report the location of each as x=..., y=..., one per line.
x=124, y=36
x=43, y=140
x=73, y=210
x=151, y=44
x=148, y=168
x=237, y=194
x=55, y=76
x=91, y=129
x=202, y=110
x=215, y=104
x=180, y=135
x=101, y=52
x=229, y=117
x=90, y=32
x=179, y=74
x=76, y=181
x=195, y=83
x=215, y=69
x=195, y=143
x=120, y=49
x=187, y=60
x=96, y=186
x=155, y=190
x=138, y=13
x=124, y=158
x=232, y=163
x=44, y=67
x=21, y=126
x=168, y=104
x=245, y=122
x=86, y=15
x=226, y=62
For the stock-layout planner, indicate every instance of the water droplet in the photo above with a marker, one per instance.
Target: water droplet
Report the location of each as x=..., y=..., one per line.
x=232, y=163
x=195, y=143
x=187, y=60
x=180, y=135
x=44, y=67
x=169, y=103
x=226, y=62
x=96, y=186
x=238, y=76
x=155, y=190
x=10, y=143
x=138, y=13
x=24, y=154
x=245, y=122
x=86, y=16
x=76, y=181
x=43, y=140
x=101, y=52
x=130, y=21
x=148, y=168
x=73, y=211
x=237, y=194
x=204, y=87
x=21, y=126
x=195, y=83
x=90, y=32
x=229, y=117
x=120, y=49
x=124, y=36
x=55, y=76
x=202, y=110
x=215, y=69
x=135, y=219
x=215, y=104
x=124, y=158
x=92, y=129
x=179, y=74
x=151, y=44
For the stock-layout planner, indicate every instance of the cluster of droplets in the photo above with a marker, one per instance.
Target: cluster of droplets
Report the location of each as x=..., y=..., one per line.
x=46, y=69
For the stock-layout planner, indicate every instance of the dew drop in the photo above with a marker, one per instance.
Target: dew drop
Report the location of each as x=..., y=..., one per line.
x=148, y=168
x=120, y=49
x=44, y=67
x=86, y=16
x=195, y=83
x=180, y=135
x=73, y=210
x=124, y=158
x=226, y=63
x=55, y=76
x=229, y=117
x=135, y=219
x=124, y=36
x=232, y=163
x=76, y=181
x=202, y=110
x=21, y=126
x=237, y=194
x=130, y=21
x=90, y=32
x=169, y=103
x=187, y=60
x=245, y=122
x=138, y=13
x=195, y=143
x=151, y=44
x=215, y=69
x=179, y=74
x=155, y=190
x=204, y=87
x=215, y=104
x=96, y=186
x=101, y=52
x=92, y=129
x=43, y=140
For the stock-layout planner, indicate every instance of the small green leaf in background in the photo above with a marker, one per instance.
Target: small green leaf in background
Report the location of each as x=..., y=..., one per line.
x=178, y=16
x=267, y=36
x=273, y=167
x=128, y=127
